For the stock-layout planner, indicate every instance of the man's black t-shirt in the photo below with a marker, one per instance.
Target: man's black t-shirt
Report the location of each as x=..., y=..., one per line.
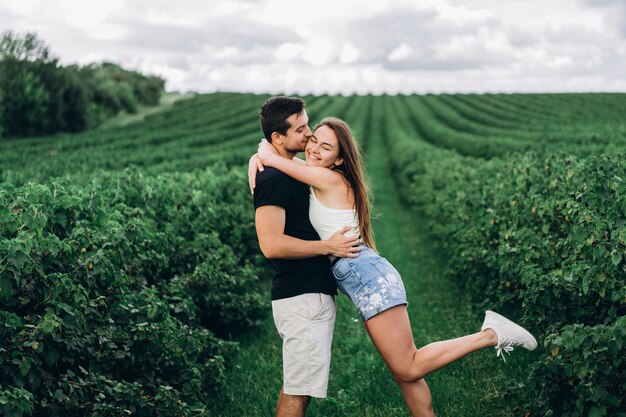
x=294, y=276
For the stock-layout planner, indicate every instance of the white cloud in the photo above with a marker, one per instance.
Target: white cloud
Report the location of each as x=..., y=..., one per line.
x=289, y=51
x=401, y=53
x=320, y=51
x=614, y=12
x=560, y=62
x=348, y=46
x=349, y=53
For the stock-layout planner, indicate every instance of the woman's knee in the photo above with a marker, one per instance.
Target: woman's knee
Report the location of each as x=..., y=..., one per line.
x=407, y=374
x=395, y=377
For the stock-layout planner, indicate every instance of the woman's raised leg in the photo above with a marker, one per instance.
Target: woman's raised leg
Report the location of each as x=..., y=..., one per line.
x=391, y=333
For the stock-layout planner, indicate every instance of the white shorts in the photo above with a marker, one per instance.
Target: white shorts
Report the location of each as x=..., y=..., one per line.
x=305, y=323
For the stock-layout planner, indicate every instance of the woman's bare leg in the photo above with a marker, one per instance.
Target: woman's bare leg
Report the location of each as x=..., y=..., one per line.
x=391, y=333
x=417, y=397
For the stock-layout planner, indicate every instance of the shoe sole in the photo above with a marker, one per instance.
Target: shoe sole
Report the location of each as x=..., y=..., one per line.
x=522, y=330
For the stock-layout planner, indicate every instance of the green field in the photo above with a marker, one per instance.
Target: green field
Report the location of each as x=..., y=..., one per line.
x=131, y=281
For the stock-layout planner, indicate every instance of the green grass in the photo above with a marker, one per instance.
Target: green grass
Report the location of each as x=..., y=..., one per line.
x=360, y=384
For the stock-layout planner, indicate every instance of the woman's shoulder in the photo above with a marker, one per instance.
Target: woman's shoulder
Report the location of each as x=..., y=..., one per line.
x=339, y=192
x=340, y=177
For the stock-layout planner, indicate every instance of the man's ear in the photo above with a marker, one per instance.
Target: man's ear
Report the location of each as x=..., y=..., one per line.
x=277, y=138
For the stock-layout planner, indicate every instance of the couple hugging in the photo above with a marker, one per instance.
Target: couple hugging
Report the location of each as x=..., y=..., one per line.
x=313, y=223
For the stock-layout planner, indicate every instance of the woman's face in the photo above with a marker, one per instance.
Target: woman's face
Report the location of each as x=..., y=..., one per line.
x=322, y=148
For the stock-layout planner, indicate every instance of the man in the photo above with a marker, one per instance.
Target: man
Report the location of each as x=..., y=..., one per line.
x=303, y=288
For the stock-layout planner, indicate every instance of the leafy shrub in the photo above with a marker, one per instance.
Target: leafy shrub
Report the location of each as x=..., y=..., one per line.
x=108, y=292
x=544, y=235
x=584, y=373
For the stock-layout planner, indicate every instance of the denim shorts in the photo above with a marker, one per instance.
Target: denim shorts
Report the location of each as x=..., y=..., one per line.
x=370, y=281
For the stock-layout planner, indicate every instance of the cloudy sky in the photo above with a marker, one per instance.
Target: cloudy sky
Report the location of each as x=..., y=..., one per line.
x=341, y=46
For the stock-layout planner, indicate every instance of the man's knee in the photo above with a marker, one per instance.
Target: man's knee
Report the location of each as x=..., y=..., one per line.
x=296, y=399
x=292, y=405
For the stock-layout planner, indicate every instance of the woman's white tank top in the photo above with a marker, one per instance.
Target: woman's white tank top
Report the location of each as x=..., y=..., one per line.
x=326, y=221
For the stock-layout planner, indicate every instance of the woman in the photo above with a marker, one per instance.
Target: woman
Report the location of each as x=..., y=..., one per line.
x=339, y=197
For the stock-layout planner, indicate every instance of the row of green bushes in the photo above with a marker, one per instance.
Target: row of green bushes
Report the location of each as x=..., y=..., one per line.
x=38, y=96
x=119, y=293
x=544, y=236
x=437, y=120
x=192, y=134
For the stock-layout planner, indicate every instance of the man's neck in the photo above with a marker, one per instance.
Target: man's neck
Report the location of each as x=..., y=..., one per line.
x=285, y=153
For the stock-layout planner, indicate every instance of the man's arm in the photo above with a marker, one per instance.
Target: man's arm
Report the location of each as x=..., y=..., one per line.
x=274, y=243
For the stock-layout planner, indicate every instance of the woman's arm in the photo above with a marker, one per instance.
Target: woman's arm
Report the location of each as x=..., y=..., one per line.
x=318, y=177
x=255, y=165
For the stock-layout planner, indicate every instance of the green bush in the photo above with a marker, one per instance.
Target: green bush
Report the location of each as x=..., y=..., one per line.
x=25, y=99
x=584, y=374
x=111, y=291
x=544, y=236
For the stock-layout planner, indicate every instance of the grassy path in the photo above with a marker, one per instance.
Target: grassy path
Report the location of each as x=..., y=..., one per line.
x=360, y=384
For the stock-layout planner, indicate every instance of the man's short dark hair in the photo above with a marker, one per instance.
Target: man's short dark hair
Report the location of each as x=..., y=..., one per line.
x=275, y=112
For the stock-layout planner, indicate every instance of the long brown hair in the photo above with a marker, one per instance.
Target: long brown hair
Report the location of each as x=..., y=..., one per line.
x=352, y=168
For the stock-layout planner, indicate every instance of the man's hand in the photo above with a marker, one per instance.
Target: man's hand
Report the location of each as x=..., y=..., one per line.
x=254, y=165
x=343, y=246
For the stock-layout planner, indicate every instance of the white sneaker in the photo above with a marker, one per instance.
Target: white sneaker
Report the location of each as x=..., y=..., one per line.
x=510, y=334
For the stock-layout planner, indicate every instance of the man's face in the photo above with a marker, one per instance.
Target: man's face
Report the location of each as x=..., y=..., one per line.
x=298, y=134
